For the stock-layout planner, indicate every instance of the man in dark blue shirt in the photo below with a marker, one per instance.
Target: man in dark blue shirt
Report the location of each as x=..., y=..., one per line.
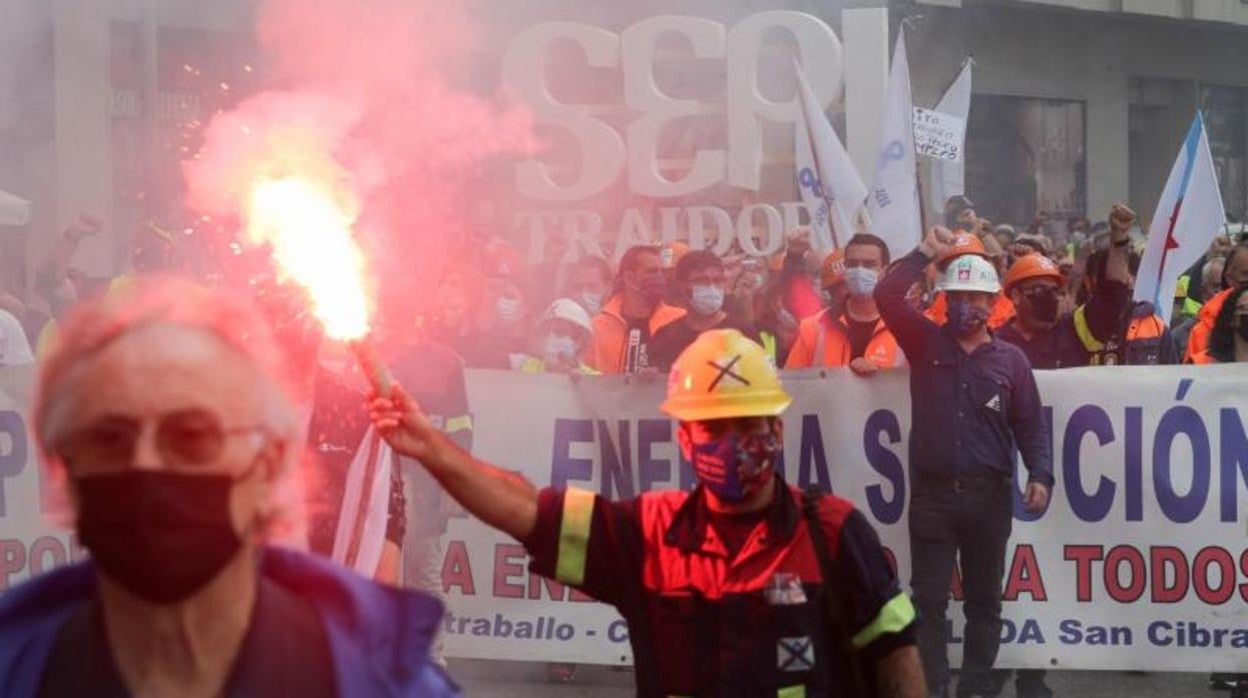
x=972, y=398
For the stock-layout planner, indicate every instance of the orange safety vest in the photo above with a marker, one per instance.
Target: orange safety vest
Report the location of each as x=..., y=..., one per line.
x=824, y=343
x=1002, y=311
x=1198, y=340
x=609, y=345
x=1142, y=338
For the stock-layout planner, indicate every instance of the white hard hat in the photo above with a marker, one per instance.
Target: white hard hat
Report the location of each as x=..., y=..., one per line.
x=970, y=272
x=569, y=311
x=14, y=349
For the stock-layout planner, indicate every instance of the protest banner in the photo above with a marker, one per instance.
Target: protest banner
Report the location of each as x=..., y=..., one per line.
x=938, y=135
x=1140, y=562
x=30, y=541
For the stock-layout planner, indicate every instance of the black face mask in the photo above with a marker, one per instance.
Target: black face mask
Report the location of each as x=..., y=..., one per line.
x=1043, y=306
x=160, y=535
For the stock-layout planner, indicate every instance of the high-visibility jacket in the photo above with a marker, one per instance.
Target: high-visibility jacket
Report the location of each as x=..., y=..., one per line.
x=824, y=342
x=703, y=622
x=608, y=349
x=1190, y=306
x=1198, y=340
x=771, y=344
x=1144, y=341
x=532, y=364
x=1002, y=311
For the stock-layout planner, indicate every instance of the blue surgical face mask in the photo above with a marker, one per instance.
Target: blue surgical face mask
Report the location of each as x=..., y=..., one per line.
x=557, y=348
x=706, y=300
x=861, y=281
x=734, y=468
x=966, y=319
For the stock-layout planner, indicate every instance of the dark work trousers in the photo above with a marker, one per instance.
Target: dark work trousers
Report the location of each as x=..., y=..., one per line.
x=964, y=520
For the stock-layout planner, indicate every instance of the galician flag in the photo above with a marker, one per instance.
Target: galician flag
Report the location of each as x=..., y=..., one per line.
x=894, y=199
x=828, y=181
x=1189, y=215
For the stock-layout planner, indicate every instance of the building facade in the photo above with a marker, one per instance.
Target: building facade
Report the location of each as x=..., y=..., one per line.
x=77, y=132
x=1077, y=103
x=1080, y=103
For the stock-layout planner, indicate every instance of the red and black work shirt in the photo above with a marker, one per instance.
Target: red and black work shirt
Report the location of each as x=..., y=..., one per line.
x=703, y=623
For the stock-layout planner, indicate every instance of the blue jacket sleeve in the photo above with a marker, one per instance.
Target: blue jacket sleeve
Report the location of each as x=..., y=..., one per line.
x=912, y=329
x=1032, y=432
x=432, y=682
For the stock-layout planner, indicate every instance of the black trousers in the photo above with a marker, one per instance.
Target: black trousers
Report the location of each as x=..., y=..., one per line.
x=963, y=521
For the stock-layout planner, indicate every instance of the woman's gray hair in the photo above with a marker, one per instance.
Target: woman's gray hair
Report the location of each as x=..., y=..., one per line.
x=178, y=302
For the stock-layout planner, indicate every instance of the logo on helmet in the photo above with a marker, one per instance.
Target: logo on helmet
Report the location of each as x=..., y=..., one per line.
x=725, y=371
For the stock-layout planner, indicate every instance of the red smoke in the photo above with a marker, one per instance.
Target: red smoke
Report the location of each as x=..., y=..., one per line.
x=363, y=100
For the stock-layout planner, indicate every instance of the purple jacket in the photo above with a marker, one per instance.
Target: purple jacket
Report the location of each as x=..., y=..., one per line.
x=378, y=636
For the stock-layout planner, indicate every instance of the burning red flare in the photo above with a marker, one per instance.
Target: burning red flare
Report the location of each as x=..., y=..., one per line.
x=308, y=229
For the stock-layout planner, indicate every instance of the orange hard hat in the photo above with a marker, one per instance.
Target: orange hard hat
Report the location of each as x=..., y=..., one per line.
x=963, y=243
x=832, y=271
x=1032, y=266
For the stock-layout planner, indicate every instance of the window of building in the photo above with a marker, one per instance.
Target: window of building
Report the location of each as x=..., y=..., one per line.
x=1161, y=114
x=1025, y=156
x=1226, y=118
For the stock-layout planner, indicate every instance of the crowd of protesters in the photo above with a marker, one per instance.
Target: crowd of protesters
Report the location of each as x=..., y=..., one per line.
x=589, y=315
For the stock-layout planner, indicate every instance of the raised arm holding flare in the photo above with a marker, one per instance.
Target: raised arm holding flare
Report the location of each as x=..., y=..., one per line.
x=500, y=498
x=745, y=586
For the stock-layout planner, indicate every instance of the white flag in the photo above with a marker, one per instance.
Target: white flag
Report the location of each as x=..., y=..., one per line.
x=894, y=200
x=833, y=177
x=807, y=186
x=13, y=211
x=949, y=178
x=361, y=529
x=1189, y=215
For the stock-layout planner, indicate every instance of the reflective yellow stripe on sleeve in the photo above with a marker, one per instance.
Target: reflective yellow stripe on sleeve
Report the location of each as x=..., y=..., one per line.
x=460, y=423
x=1085, y=333
x=578, y=513
x=798, y=691
x=893, y=618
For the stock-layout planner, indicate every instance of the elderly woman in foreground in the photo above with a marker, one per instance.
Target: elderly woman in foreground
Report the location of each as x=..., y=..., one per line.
x=163, y=418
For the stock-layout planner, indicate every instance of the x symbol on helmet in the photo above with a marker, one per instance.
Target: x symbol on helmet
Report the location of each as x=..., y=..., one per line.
x=726, y=370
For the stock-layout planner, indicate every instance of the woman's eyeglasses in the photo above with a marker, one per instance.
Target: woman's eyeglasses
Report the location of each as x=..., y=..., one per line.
x=189, y=438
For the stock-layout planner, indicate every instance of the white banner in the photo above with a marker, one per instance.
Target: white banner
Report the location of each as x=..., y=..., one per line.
x=1139, y=563
x=938, y=135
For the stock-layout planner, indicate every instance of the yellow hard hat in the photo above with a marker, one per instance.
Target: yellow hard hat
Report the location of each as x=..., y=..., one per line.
x=724, y=374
